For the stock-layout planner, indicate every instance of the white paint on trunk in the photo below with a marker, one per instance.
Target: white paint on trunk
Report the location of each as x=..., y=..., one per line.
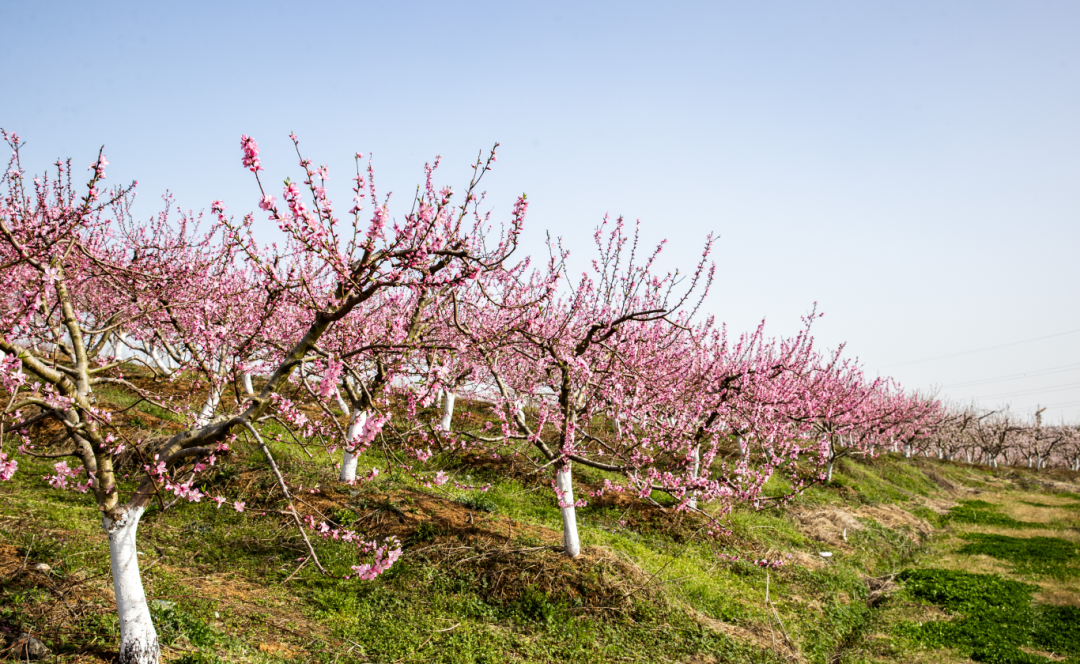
x=695, y=472
x=209, y=406
x=447, y=409
x=348, y=464
x=907, y=450
x=342, y=406
x=249, y=389
x=162, y=366
x=828, y=472
x=565, y=482
x=138, y=639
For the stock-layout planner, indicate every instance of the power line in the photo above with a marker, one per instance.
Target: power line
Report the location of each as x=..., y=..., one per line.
x=979, y=350
x=1056, y=388
x=1032, y=374
x=1051, y=405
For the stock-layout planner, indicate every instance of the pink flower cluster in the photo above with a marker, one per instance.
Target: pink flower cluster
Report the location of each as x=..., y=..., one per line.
x=65, y=475
x=7, y=467
x=251, y=153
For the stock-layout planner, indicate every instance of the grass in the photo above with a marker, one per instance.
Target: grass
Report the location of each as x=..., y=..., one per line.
x=1046, y=556
x=982, y=513
x=995, y=622
x=482, y=579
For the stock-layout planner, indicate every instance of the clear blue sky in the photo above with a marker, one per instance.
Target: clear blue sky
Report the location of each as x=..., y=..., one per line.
x=912, y=167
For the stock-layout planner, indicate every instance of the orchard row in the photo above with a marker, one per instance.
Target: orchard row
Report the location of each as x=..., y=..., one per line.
x=375, y=322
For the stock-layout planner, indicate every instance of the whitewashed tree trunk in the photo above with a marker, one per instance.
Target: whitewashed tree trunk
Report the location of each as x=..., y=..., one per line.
x=695, y=472
x=447, y=409
x=348, y=464
x=138, y=639
x=832, y=459
x=907, y=450
x=163, y=366
x=209, y=406
x=342, y=406
x=249, y=389
x=119, y=341
x=565, y=482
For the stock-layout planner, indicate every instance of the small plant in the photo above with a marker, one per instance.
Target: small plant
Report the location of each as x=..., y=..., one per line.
x=997, y=619
x=427, y=532
x=982, y=513
x=1047, y=556
x=174, y=622
x=344, y=517
x=478, y=503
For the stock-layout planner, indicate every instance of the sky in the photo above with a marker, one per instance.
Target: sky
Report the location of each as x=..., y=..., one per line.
x=913, y=168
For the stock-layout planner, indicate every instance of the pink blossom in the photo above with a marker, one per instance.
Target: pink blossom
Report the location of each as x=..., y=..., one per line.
x=7, y=468
x=251, y=153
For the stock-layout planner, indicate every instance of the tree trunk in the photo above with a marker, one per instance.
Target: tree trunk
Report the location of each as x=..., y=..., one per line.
x=907, y=450
x=162, y=365
x=695, y=472
x=138, y=639
x=209, y=406
x=342, y=406
x=565, y=482
x=119, y=341
x=828, y=472
x=348, y=464
x=447, y=409
x=249, y=389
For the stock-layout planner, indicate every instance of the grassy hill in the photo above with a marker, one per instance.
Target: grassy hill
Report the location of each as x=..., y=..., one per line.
x=930, y=562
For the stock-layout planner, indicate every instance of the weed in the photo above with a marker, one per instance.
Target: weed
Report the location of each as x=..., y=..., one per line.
x=478, y=503
x=982, y=513
x=1047, y=556
x=928, y=515
x=174, y=623
x=996, y=618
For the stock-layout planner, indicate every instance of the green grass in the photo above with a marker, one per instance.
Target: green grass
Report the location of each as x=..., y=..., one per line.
x=1039, y=556
x=995, y=618
x=651, y=587
x=982, y=513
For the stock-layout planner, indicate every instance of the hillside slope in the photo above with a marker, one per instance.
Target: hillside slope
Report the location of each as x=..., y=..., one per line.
x=482, y=579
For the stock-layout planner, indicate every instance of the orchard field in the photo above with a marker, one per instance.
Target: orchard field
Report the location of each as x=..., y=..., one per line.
x=307, y=434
